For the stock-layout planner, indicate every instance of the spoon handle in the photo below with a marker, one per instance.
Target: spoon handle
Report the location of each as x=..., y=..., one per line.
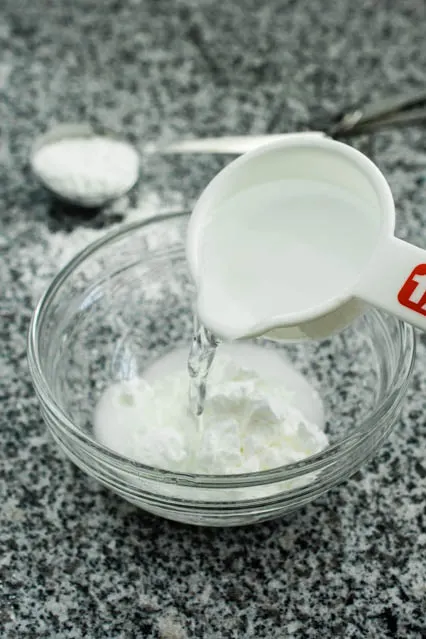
x=385, y=113
x=232, y=144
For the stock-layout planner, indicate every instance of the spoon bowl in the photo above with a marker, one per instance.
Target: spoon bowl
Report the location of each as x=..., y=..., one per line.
x=85, y=194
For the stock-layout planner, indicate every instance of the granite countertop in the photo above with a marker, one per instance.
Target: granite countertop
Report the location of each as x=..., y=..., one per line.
x=76, y=561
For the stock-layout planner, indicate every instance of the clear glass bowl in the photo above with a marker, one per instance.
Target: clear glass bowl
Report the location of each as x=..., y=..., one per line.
x=125, y=301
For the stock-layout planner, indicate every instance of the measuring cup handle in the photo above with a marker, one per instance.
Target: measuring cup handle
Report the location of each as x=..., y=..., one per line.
x=396, y=282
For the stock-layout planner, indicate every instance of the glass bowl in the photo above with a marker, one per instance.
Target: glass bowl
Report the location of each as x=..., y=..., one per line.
x=125, y=301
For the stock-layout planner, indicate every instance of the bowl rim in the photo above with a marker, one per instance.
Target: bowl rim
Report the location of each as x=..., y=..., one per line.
x=329, y=456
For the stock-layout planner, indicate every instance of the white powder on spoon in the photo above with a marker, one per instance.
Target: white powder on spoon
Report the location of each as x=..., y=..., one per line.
x=89, y=171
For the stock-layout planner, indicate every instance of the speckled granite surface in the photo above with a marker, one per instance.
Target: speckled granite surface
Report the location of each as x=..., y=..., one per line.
x=77, y=562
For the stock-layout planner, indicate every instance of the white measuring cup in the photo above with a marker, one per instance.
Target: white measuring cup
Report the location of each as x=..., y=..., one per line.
x=310, y=221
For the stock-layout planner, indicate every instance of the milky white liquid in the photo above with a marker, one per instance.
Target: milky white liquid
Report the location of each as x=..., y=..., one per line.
x=260, y=413
x=269, y=364
x=280, y=248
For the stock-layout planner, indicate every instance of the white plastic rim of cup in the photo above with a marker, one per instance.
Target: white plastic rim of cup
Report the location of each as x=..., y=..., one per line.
x=393, y=275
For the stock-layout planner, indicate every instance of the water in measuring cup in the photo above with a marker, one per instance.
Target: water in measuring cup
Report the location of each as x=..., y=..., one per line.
x=280, y=248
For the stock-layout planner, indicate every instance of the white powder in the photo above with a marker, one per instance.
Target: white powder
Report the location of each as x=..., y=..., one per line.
x=87, y=170
x=255, y=417
x=53, y=250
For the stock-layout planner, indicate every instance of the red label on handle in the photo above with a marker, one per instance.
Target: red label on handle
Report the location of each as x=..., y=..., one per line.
x=413, y=291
